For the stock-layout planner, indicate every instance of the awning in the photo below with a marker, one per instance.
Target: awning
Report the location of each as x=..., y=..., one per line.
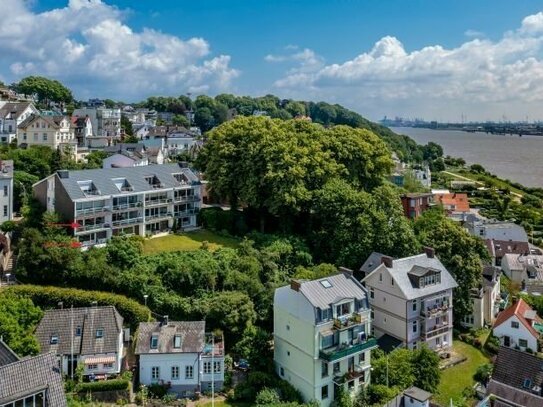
x=100, y=360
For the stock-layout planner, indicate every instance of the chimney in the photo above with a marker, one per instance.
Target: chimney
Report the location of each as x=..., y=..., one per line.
x=387, y=261
x=165, y=320
x=94, y=304
x=61, y=305
x=295, y=285
x=430, y=252
x=183, y=164
x=346, y=271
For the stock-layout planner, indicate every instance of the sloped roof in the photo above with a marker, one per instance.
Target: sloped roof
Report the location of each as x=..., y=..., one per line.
x=103, y=179
x=401, y=268
x=58, y=322
x=192, y=335
x=371, y=263
x=13, y=109
x=28, y=376
x=459, y=201
x=499, y=248
x=522, y=311
x=7, y=356
x=342, y=286
x=53, y=120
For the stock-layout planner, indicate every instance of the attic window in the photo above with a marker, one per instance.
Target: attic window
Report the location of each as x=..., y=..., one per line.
x=99, y=333
x=181, y=178
x=527, y=383
x=177, y=341
x=326, y=283
x=154, y=342
x=54, y=340
x=154, y=182
x=122, y=184
x=88, y=187
x=78, y=331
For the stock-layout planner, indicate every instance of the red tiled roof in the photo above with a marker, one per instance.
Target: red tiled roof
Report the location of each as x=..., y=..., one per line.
x=460, y=201
x=519, y=310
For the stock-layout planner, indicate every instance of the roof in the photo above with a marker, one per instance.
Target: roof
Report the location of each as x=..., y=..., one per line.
x=58, y=323
x=453, y=201
x=499, y=248
x=419, y=264
x=12, y=110
x=523, y=312
x=498, y=230
x=162, y=131
x=121, y=147
x=29, y=376
x=340, y=286
x=371, y=263
x=387, y=343
x=490, y=275
x=102, y=179
x=414, y=195
x=7, y=356
x=509, y=378
x=417, y=394
x=54, y=120
x=192, y=335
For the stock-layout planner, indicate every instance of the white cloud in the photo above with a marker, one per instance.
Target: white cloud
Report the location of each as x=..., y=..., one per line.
x=88, y=45
x=481, y=76
x=473, y=33
x=306, y=60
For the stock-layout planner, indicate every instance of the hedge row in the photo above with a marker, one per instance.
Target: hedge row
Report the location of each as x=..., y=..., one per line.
x=49, y=297
x=107, y=385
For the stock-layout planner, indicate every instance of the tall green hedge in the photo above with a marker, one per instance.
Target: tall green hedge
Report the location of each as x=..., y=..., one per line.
x=49, y=297
x=108, y=385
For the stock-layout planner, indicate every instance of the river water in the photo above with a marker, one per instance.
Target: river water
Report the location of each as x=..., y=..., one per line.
x=515, y=158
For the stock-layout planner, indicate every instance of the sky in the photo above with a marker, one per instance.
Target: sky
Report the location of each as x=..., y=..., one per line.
x=430, y=59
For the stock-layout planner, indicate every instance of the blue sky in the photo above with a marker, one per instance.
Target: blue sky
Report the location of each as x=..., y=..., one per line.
x=431, y=59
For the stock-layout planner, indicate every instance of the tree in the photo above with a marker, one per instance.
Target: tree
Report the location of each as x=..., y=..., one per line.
x=426, y=368
x=256, y=347
x=110, y=104
x=45, y=90
x=461, y=253
x=343, y=398
x=18, y=318
x=394, y=369
x=203, y=118
x=432, y=151
x=295, y=108
x=180, y=120
x=126, y=125
x=379, y=394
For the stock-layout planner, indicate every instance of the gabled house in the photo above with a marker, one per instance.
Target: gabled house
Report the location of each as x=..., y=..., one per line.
x=12, y=114
x=91, y=336
x=34, y=381
x=486, y=300
x=525, y=269
x=181, y=355
x=47, y=130
x=497, y=230
x=411, y=300
x=519, y=327
x=416, y=204
x=126, y=155
x=322, y=336
x=456, y=205
x=497, y=249
x=517, y=380
x=82, y=130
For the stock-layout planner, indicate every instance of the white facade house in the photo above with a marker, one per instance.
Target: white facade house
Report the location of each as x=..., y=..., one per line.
x=142, y=200
x=519, y=327
x=6, y=190
x=91, y=336
x=181, y=355
x=322, y=336
x=486, y=300
x=44, y=130
x=411, y=300
x=12, y=114
x=106, y=123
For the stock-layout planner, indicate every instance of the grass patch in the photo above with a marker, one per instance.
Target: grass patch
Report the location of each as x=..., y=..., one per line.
x=189, y=241
x=455, y=379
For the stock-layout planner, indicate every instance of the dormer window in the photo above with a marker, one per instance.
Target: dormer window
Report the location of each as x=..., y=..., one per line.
x=343, y=309
x=54, y=340
x=99, y=333
x=122, y=184
x=154, y=182
x=154, y=342
x=78, y=331
x=181, y=178
x=177, y=341
x=88, y=187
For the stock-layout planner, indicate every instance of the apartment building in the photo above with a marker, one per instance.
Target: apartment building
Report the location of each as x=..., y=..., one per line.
x=139, y=200
x=47, y=130
x=106, y=123
x=411, y=300
x=6, y=190
x=322, y=336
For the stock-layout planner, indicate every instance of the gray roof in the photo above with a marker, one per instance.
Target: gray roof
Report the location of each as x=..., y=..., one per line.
x=342, y=286
x=371, y=263
x=134, y=148
x=12, y=110
x=58, y=322
x=497, y=230
x=7, y=356
x=417, y=394
x=135, y=176
x=401, y=268
x=192, y=335
x=29, y=376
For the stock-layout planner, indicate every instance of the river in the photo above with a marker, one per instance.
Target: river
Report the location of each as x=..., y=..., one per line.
x=515, y=158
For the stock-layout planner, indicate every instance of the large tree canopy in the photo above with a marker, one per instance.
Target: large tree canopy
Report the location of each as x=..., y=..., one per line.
x=44, y=89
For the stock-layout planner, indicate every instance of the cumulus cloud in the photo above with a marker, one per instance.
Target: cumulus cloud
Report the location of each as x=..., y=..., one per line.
x=307, y=60
x=88, y=45
x=481, y=76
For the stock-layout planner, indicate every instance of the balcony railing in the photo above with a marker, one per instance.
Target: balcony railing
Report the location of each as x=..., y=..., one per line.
x=153, y=202
x=130, y=221
x=187, y=212
x=190, y=198
x=91, y=211
x=435, y=310
x=122, y=207
x=435, y=331
x=352, y=374
x=158, y=216
x=342, y=351
x=93, y=242
x=348, y=321
x=86, y=228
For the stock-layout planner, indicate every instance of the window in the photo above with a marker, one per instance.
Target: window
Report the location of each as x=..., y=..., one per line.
x=514, y=324
x=414, y=305
x=207, y=367
x=78, y=331
x=414, y=326
x=362, y=357
x=326, y=283
x=44, y=137
x=391, y=281
x=372, y=293
x=282, y=371
x=175, y=372
x=288, y=327
x=326, y=314
x=5, y=190
x=108, y=365
x=177, y=341
x=324, y=392
x=99, y=333
x=288, y=353
x=343, y=309
x=154, y=342
x=92, y=367
x=523, y=343
x=372, y=314
x=189, y=372
x=155, y=373
x=336, y=367
x=54, y=340
x=5, y=210
x=527, y=383
x=324, y=369
x=217, y=367
x=380, y=276
x=327, y=341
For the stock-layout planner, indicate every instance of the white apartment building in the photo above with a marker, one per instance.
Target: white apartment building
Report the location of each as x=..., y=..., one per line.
x=486, y=300
x=411, y=300
x=322, y=336
x=45, y=130
x=6, y=190
x=141, y=200
x=181, y=354
x=105, y=122
x=12, y=114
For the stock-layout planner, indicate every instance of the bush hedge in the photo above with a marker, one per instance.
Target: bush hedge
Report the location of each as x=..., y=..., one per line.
x=107, y=385
x=49, y=297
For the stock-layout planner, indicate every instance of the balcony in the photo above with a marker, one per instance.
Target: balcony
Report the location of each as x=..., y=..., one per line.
x=156, y=202
x=435, y=331
x=158, y=216
x=187, y=212
x=347, y=321
x=122, y=222
x=433, y=311
x=344, y=350
x=87, y=228
x=190, y=198
x=123, y=207
x=91, y=211
x=352, y=374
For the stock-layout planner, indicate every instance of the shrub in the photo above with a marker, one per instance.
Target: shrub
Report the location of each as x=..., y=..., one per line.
x=483, y=373
x=157, y=391
x=267, y=396
x=49, y=297
x=108, y=385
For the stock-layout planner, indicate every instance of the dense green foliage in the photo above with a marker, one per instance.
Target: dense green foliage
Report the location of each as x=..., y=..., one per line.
x=48, y=297
x=18, y=318
x=108, y=385
x=44, y=89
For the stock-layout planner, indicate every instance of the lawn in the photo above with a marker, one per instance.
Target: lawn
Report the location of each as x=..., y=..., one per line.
x=455, y=379
x=189, y=241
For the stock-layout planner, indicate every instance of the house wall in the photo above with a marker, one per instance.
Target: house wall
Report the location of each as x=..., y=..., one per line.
x=505, y=329
x=100, y=368
x=6, y=199
x=165, y=362
x=492, y=298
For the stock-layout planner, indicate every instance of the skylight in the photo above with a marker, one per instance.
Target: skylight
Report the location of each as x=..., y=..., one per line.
x=326, y=283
